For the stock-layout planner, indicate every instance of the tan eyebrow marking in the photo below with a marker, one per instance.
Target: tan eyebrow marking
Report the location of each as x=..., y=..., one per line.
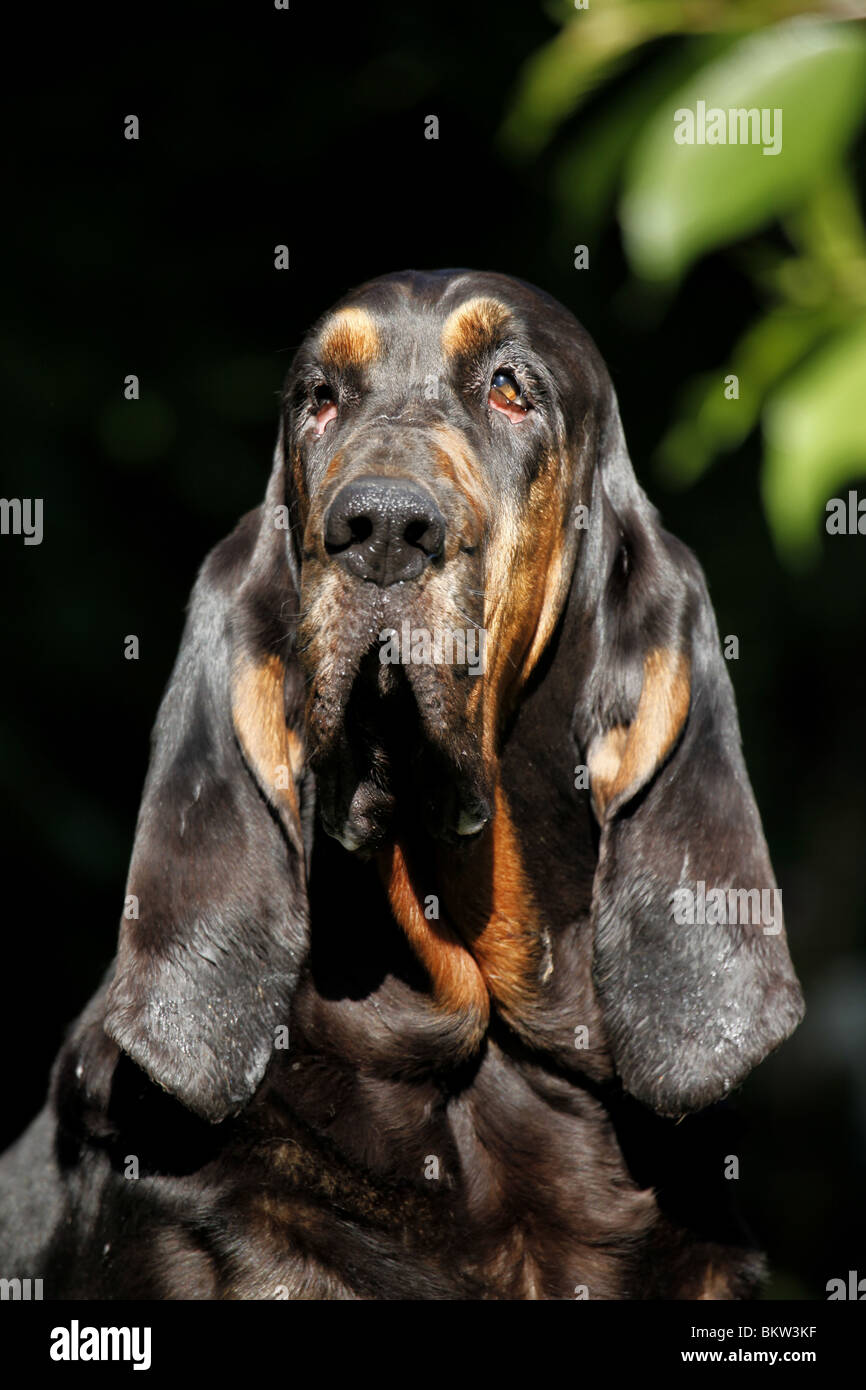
x=350, y=338
x=473, y=325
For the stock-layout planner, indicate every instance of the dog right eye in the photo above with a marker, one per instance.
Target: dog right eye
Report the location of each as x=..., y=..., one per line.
x=507, y=396
x=325, y=407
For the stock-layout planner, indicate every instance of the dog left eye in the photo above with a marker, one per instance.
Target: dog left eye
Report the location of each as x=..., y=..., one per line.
x=325, y=407
x=506, y=395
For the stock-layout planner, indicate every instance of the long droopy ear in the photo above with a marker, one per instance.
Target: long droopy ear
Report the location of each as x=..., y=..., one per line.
x=690, y=958
x=206, y=969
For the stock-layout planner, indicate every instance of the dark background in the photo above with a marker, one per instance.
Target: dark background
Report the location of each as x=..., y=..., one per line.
x=260, y=127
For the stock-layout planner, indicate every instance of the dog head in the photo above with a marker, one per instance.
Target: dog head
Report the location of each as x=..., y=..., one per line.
x=437, y=432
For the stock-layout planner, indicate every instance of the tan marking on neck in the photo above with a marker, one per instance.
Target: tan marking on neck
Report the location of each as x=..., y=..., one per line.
x=455, y=978
x=715, y=1285
x=488, y=898
x=487, y=941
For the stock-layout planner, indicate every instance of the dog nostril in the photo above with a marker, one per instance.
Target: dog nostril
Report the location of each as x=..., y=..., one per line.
x=361, y=528
x=343, y=532
x=420, y=533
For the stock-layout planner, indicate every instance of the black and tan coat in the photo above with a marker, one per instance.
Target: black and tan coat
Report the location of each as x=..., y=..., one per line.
x=405, y=1012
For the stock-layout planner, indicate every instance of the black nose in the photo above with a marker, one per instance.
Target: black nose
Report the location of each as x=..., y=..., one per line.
x=384, y=529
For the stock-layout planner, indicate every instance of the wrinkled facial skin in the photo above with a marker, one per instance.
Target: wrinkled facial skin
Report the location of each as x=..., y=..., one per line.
x=439, y=436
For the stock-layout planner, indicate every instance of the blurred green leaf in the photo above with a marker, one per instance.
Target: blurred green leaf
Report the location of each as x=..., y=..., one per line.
x=591, y=47
x=680, y=201
x=707, y=422
x=587, y=176
x=595, y=42
x=814, y=441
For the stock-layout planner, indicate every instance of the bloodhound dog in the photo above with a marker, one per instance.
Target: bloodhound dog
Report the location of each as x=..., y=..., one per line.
x=448, y=903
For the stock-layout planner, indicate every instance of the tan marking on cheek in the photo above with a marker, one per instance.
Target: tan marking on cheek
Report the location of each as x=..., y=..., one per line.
x=528, y=570
x=321, y=650
x=273, y=751
x=458, y=463
x=467, y=529
x=300, y=482
x=350, y=339
x=506, y=602
x=553, y=591
x=474, y=325
x=328, y=598
x=623, y=759
x=317, y=505
x=321, y=608
x=333, y=468
x=457, y=984
x=475, y=699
